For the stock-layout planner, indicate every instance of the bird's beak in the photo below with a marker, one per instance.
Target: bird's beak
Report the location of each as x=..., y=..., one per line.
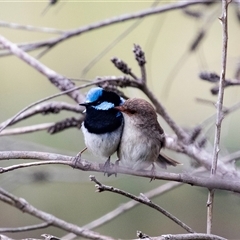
x=84, y=104
x=119, y=108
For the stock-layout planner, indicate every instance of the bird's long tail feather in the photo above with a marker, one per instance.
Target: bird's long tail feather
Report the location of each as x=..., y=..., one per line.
x=163, y=161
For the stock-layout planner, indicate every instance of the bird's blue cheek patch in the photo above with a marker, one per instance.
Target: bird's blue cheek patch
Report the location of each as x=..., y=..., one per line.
x=104, y=106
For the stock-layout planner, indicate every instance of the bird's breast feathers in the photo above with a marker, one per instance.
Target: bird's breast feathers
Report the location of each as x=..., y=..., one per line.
x=102, y=145
x=137, y=151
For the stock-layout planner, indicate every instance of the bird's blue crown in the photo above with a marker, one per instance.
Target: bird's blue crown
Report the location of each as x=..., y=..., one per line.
x=94, y=94
x=103, y=100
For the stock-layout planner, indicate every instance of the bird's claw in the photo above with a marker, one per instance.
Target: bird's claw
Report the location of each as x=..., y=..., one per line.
x=153, y=172
x=108, y=167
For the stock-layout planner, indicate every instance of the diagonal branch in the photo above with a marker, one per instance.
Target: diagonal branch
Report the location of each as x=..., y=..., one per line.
x=107, y=22
x=56, y=79
x=142, y=199
x=25, y=207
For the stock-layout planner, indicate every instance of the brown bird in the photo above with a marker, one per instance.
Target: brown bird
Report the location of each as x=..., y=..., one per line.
x=142, y=137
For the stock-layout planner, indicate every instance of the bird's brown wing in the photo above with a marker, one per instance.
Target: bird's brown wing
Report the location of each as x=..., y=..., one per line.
x=163, y=161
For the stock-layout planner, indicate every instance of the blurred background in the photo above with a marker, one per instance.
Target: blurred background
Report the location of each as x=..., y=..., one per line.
x=173, y=75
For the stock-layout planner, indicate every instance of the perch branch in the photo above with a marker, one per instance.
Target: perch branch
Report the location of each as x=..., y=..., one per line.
x=219, y=117
x=142, y=199
x=227, y=183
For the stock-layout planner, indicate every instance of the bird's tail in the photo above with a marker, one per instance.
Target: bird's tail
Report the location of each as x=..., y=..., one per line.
x=163, y=161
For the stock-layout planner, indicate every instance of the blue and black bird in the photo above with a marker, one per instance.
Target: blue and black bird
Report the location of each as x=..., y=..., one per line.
x=103, y=125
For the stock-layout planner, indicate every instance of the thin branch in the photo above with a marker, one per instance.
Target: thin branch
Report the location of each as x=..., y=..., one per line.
x=96, y=82
x=27, y=129
x=140, y=57
x=219, y=117
x=107, y=22
x=11, y=120
x=31, y=28
x=25, y=228
x=125, y=207
x=195, y=236
x=59, y=81
x=231, y=157
x=142, y=199
x=228, y=184
x=215, y=78
x=25, y=207
x=141, y=84
x=46, y=108
x=182, y=135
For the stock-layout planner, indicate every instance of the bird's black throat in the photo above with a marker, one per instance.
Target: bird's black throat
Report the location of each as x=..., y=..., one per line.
x=102, y=121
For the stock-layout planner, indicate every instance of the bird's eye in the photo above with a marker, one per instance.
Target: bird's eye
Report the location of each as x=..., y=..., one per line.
x=131, y=111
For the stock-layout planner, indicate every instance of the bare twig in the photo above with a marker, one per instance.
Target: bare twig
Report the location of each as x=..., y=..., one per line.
x=215, y=78
x=47, y=108
x=25, y=228
x=107, y=22
x=142, y=199
x=65, y=124
x=231, y=157
x=140, y=57
x=228, y=184
x=30, y=28
x=96, y=82
x=195, y=236
x=28, y=129
x=219, y=117
x=182, y=135
x=24, y=206
x=59, y=81
x=126, y=207
x=141, y=84
x=11, y=120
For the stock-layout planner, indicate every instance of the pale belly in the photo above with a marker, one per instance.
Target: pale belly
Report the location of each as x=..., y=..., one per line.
x=136, y=151
x=102, y=145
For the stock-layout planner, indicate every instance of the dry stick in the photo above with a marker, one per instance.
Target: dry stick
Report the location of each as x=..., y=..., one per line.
x=25, y=228
x=59, y=81
x=141, y=84
x=142, y=199
x=195, y=236
x=125, y=207
x=31, y=28
x=162, y=111
x=45, y=108
x=11, y=120
x=84, y=165
x=140, y=58
x=27, y=129
x=219, y=117
x=231, y=157
x=24, y=206
x=107, y=22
